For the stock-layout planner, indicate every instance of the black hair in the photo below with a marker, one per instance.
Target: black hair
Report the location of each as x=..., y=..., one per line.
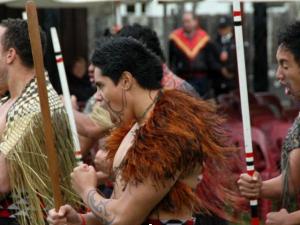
x=290, y=39
x=16, y=36
x=145, y=35
x=120, y=54
x=224, y=21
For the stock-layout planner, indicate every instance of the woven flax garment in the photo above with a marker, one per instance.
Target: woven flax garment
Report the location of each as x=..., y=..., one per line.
x=24, y=148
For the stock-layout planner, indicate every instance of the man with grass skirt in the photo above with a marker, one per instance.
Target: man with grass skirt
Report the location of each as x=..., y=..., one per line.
x=25, y=188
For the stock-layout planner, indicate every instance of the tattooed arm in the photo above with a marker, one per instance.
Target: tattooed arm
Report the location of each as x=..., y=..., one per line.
x=131, y=207
x=100, y=207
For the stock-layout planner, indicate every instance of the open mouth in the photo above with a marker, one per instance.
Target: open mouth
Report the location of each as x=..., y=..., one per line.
x=287, y=89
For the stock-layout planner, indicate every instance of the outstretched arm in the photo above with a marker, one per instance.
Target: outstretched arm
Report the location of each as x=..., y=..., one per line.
x=273, y=188
x=253, y=187
x=87, y=127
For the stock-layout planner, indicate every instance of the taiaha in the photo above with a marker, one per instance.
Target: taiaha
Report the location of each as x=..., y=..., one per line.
x=66, y=92
x=237, y=18
x=35, y=41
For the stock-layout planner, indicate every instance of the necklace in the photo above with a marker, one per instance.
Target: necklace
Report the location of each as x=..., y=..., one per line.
x=150, y=106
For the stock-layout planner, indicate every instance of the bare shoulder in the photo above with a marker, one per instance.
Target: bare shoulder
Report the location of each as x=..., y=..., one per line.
x=295, y=154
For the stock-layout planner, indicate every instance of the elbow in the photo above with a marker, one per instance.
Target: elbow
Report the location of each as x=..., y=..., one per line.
x=5, y=187
x=91, y=131
x=4, y=176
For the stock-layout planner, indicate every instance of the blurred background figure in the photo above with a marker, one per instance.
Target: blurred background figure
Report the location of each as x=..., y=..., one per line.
x=226, y=81
x=79, y=81
x=192, y=55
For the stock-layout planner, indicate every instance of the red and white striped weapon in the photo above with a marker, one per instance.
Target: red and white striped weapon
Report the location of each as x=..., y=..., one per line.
x=66, y=92
x=237, y=18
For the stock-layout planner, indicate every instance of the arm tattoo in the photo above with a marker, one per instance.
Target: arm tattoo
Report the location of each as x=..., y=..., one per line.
x=99, y=209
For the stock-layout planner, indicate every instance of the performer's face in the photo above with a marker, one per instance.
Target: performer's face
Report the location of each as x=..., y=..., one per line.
x=114, y=97
x=288, y=72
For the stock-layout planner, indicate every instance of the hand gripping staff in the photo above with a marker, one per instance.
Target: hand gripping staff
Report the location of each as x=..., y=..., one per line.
x=237, y=18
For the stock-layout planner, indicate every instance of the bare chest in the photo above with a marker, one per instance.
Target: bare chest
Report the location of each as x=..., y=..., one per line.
x=124, y=147
x=119, y=157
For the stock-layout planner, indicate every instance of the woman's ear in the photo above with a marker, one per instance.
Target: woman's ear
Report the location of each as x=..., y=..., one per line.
x=126, y=80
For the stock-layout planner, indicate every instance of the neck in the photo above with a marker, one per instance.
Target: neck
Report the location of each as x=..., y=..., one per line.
x=17, y=80
x=144, y=104
x=190, y=33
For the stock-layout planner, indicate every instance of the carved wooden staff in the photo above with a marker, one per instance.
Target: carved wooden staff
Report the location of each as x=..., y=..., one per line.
x=237, y=18
x=36, y=46
x=66, y=92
